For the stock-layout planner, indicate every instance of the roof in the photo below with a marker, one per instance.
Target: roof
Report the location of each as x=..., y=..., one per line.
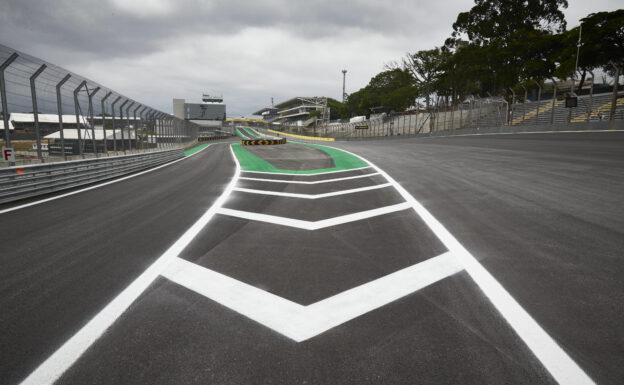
x=2, y=124
x=52, y=118
x=43, y=118
x=72, y=133
x=286, y=103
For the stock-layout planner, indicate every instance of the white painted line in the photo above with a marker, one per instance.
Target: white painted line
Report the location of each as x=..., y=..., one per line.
x=299, y=322
x=308, y=225
x=310, y=182
x=270, y=310
x=101, y=184
x=558, y=363
x=63, y=358
x=315, y=174
x=521, y=132
x=311, y=196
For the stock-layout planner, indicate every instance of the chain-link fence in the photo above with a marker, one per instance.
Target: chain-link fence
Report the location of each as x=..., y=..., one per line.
x=476, y=113
x=51, y=114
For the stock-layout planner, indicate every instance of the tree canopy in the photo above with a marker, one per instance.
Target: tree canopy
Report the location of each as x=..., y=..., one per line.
x=496, y=45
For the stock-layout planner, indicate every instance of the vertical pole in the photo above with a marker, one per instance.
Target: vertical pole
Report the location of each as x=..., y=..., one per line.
x=60, y=112
x=591, y=97
x=76, y=109
x=539, y=99
x=33, y=94
x=616, y=82
x=524, y=104
x=114, y=124
x=141, y=123
x=513, y=100
x=91, y=94
x=123, y=143
x=104, y=122
x=129, y=130
x=461, y=113
x=5, y=108
x=552, y=113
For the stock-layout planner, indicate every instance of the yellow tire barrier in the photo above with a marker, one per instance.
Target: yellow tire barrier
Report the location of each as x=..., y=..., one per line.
x=302, y=136
x=209, y=138
x=263, y=142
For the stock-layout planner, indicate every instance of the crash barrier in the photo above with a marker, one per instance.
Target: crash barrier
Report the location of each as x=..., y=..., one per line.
x=303, y=136
x=20, y=182
x=209, y=138
x=261, y=142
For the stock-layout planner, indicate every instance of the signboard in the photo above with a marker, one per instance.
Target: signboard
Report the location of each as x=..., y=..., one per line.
x=8, y=154
x=571, y=101
x=361, y=127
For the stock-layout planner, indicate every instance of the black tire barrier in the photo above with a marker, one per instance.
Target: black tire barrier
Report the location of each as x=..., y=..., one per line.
x=209, y=138
x=263, y=142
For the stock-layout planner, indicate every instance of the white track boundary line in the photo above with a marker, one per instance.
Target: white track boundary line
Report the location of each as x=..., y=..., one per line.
x=310, y=182
x=64, y=357
x=299, y=322
x=315, y=174
x=558, y=363
x=315, y=225
x=311, y=196
x=101, y=184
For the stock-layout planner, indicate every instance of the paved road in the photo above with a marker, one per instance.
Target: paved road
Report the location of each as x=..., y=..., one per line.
x=541, y=213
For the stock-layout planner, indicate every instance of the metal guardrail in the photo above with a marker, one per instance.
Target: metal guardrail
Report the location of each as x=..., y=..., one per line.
x=20, y=182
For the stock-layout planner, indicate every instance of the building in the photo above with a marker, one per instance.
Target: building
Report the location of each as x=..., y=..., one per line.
x=209, y=115
x=296, y=112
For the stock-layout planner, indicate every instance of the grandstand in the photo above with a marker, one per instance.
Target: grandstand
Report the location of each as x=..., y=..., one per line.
x=296, y=112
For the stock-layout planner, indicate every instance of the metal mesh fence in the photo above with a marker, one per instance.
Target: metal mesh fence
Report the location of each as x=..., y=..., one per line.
x=52, y=114
x=476, y=113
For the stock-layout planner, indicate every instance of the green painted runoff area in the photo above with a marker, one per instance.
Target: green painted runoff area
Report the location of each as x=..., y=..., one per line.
x=251, y=132
x=195, y=149
x=342, y=161
x=241, y=134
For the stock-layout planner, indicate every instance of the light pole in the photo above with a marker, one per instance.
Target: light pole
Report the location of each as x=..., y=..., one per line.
x=344, y=76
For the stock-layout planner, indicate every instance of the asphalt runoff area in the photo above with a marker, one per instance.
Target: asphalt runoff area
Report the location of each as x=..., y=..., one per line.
x=464, y=260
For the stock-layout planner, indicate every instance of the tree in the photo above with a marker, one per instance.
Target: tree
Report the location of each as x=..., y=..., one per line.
x=602, y=41
x=509, y=41
x=425, y=67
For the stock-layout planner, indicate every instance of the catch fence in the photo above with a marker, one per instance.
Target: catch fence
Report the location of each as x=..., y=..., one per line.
x=51, y=114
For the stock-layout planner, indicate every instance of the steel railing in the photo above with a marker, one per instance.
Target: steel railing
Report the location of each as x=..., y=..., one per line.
x=20, y=182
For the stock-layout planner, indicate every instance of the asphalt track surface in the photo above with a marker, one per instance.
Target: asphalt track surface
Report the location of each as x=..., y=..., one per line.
x=541, y=213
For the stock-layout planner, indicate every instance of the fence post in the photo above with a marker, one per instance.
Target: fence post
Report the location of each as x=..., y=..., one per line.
x=524, y=103
x=114, y=124
x=142, y=125
x=33, y=94
x=5, y=108
x=591, y=97
x=76, y=109
x=513, y=101
x=123, y=143
x=552, y=113
x=539, y=99
x=616, y=82
x=104, y=122
x=134, y=126
x=60, y=113
x=129, y=130
x=91, y=94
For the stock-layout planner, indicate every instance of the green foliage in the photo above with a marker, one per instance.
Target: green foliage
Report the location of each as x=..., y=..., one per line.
x=496, y=45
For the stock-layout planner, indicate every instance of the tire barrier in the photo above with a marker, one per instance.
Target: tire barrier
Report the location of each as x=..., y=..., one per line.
x=209, y=138
x=262, y=142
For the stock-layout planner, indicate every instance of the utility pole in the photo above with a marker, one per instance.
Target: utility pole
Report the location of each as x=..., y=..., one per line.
x=272, y=101
x=344, y=76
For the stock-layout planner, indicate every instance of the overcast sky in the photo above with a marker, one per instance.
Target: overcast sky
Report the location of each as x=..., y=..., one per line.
x=249, y=51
